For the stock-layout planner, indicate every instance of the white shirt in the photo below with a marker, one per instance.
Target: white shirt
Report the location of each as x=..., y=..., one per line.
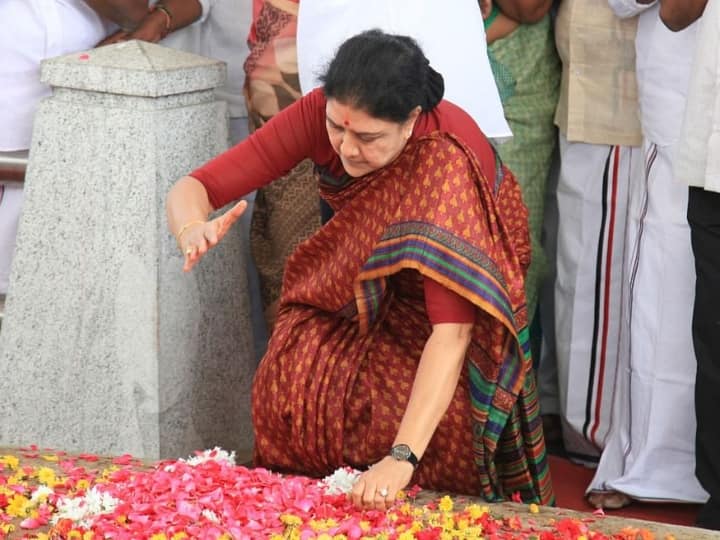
x=697, y=159
x=220, y=33
x=663, y=61
x=30, y=31
x=451, y=34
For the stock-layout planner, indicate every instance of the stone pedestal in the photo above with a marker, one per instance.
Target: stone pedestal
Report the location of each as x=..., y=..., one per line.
x=107, y=346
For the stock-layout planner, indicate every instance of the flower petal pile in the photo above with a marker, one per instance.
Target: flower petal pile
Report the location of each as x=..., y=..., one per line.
x=209, y=497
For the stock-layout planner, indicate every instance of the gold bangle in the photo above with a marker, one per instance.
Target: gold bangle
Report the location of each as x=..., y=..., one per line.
x=168, y=15
x=185, y=227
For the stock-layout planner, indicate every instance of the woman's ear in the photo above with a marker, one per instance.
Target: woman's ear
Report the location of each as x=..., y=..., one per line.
x=410, y=122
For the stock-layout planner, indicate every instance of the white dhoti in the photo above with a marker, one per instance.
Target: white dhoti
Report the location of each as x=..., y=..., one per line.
x=11, y=197
x=649, y=452
x=592, y=198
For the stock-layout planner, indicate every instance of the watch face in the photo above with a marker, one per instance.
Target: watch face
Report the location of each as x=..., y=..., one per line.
x=401, y=452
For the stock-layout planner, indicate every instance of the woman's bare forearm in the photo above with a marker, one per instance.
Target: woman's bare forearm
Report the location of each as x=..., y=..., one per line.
x=187, y=201
x=435, y=383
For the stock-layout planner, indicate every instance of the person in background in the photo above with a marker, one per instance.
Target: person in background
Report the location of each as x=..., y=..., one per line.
x=161, y=19
x=600, y=135
x=400, y=339
x=39, y=30
x=286, y=212
x=527, y=70
x=697, y=164
x=653, y=410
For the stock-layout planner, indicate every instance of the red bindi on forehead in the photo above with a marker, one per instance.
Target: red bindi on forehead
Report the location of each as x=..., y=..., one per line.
x=346, y=120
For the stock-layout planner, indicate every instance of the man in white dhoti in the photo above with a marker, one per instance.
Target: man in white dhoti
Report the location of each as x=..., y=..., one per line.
x=599, y=124
x=649, y=452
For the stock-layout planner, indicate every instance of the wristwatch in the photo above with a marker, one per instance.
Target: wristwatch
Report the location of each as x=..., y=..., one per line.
x=402, y=452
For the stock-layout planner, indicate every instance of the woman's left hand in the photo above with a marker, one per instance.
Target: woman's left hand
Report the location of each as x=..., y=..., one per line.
x=378, y=486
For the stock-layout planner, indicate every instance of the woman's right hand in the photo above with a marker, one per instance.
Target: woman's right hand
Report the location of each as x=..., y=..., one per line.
x=198, y=238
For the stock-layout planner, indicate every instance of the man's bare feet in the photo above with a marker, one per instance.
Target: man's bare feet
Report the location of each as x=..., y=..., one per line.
x=609, y=500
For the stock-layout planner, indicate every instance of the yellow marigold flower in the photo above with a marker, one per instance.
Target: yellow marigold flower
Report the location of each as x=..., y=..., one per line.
x=322, y=524
x=446, y=504
x=158, y=536
x=224, y=536
x=75, y=535
x=121, y=519
x=7, y=528
x=46, y=476
x=407, y=535
x=289, y=519
x=339, y=537
x=179, y=535
x=17, y=506
x=51, y=457
x=82, y=484
x=11, y=462
x=324, y=536
x=582, y=537
x=446, y=535
x=89, y=535
x=16, y=479
x=42, y=536
x=276, y=536
x=463, y=523
x=534, y=508
x=364, y=526
x=109, y=470
x=400, y=495
x=448, y=522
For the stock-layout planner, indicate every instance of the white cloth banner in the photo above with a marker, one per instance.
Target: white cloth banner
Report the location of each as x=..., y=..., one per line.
x=451, y=34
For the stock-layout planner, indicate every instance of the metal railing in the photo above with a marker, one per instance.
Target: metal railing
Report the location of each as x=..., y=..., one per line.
x=13, y=165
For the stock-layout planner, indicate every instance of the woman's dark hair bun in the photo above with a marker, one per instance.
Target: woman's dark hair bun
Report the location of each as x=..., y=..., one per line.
x=435, y=89
x=387, y=75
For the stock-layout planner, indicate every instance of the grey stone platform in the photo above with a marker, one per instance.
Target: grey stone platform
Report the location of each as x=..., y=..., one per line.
x=106, y=345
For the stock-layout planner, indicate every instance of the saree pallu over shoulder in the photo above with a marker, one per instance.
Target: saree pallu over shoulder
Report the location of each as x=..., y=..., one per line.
x=431, y=213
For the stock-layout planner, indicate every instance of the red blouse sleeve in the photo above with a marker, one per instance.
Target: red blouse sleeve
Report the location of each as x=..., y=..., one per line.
x=446, y=306
x=295, y=133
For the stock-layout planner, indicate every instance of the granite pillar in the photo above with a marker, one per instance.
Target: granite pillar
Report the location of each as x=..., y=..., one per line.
x=107, y=346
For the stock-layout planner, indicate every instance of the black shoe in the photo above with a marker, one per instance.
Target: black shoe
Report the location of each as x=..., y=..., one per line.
x=709, y=516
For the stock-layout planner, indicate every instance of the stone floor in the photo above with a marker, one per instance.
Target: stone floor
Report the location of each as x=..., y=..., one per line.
x=545, y=516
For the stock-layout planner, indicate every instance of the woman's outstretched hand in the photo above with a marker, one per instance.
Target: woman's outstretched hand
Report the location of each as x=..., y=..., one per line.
x=378, y=487
x=199, y=237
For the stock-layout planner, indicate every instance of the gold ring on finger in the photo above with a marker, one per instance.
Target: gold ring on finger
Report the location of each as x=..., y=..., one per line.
x=383, y=492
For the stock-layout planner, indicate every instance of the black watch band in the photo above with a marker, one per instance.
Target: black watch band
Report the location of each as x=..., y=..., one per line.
x=402, y=452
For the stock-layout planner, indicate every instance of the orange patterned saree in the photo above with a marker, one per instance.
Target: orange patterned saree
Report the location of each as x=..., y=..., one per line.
x=351, y=327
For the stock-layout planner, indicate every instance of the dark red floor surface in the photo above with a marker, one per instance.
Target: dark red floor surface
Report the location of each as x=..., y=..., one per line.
x=570, y=481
